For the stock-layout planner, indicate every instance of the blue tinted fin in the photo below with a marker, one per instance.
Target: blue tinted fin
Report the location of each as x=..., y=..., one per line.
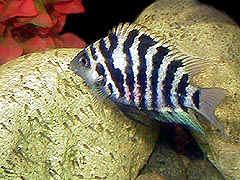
x=154, y=118
x=179, y=116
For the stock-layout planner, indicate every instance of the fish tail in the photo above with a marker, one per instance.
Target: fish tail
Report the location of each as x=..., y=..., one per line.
x=208, y=100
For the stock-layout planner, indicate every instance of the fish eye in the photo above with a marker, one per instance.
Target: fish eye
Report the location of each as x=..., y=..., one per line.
x=85, y=62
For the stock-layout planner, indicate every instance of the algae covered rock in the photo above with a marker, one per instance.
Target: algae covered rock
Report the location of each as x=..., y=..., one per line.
x=205, y=32
x=166, y=162
x=51, y=127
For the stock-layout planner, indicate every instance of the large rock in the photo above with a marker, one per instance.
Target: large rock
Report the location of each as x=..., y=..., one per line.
x=171, y=165
x=51, y=127
x=205, y=32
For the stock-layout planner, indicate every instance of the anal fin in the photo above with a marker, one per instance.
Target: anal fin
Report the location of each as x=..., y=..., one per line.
x=154, y=118
x=179, y=116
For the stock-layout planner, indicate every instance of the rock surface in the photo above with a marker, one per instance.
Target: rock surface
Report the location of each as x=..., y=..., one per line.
x=178, y=159
x=51, y=128
x=205, y=32
x=151, y=176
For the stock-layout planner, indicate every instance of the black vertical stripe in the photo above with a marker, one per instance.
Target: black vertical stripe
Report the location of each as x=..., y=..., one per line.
x=116, y=74
x=157, y=61
x=113, y=43
x=145, y=42
x=167, y=82
x=100, y=69
x=101, y=72
x=110, y=88
x=195, y=98
x=93, y=52
x=181, y=90
x=130, y=82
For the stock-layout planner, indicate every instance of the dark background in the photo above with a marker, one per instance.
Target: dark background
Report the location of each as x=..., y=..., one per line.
x=102, y=15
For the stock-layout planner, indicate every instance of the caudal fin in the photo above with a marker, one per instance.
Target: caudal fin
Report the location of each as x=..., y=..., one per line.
x=209, y=99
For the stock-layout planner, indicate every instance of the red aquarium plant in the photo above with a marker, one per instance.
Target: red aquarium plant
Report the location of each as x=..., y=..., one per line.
x=31, y=25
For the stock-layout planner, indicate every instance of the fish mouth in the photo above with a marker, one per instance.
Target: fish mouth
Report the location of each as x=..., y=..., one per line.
x=75, y=67
x=74, y=64
x=78, y=72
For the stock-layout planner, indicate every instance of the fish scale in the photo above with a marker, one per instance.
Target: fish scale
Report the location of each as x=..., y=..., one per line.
x=181, y=90
x=135, y=59
x=109, y=80
x=161, y=76
x=137, y=69
x=157, y=60
x=129, y=68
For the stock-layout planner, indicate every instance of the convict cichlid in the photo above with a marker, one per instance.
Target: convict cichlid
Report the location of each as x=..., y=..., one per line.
x=135, y=68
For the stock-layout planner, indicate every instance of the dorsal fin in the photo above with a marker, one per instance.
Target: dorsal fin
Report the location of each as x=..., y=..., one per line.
x=124, y=28
x=192, y=65
x=195, y=65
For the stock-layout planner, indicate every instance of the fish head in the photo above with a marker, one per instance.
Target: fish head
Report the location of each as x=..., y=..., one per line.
x=84, y=66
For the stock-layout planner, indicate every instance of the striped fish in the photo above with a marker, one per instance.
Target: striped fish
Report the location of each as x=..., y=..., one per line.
x=133, y=67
